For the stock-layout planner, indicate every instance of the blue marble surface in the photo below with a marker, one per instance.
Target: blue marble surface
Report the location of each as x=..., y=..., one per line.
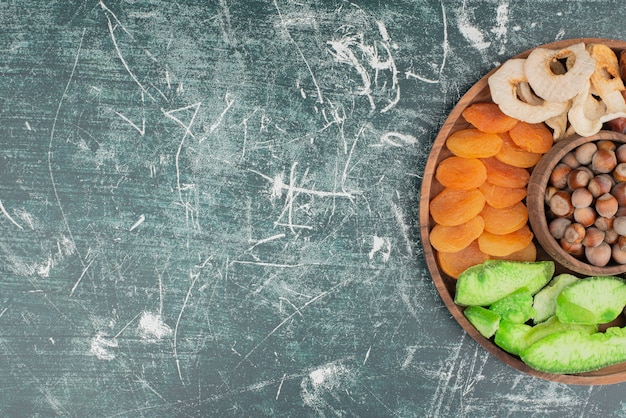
x=210, y=208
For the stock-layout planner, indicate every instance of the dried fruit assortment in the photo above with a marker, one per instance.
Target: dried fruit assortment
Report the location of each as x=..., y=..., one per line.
x=481, y=218
x=577, y=89
x=546, y=97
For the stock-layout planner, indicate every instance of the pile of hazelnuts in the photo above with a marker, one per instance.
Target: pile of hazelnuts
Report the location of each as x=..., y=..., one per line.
x=586, y=198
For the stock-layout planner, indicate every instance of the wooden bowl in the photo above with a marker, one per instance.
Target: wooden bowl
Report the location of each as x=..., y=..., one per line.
x=445, y=284
x=537, y=209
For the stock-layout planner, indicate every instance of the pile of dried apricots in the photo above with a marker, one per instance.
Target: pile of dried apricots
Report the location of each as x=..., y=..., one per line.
x=480, y=213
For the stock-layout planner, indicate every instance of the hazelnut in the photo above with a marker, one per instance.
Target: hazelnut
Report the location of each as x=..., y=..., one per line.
x=600, y=184
x=621, y=241
x=619, y=174
x=593, y=237
x=618, y=254
x=561, y=204
x=574, y=233
x=550, y=191
x=610, y=236
x=599, y=255
x=558, y=177
x=584, y=153
x=585, y=216
x=606, y=144
x=581, y=198
x=603, y=223
x=619, y=225
x=619, y=192
x=575, y=249
x=579, y=177
x=557, y=227
x=570, y=160
x=620, y=153
x=603, y=161
x=606, y=205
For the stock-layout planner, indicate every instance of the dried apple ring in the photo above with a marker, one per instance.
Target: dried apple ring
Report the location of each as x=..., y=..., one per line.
x=504, y=85
x=606, y=78
x=558, y=87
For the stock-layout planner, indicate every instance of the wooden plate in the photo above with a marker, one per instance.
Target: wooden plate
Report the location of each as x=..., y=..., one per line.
x=445, y=284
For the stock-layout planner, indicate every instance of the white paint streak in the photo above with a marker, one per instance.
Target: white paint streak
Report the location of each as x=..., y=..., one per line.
x=470, y=32
x=367, y=354
x=382, y=245
x=112, y=29
x=409, y=357
x=100, y=347
x=80, y=278
x=404, y=228
x=410, y=74
x=293, y=191
x=43, y=269
x=141, y=219
x=194, y=277
x=397, y=139
x=141, y=130
x=265, y=240
x=229, y=99
x=280, y=386
x=152, y=326
x=27, y=217
x=326, y=375
x=355, y=52
x=445, y=44
x=447, y=371
x=560, y=34
x=321, y=383
x=501, y=28
x=187, y=127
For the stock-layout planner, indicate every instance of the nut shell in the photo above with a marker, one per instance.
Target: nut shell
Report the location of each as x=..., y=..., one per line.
x=600, y=184
x=599, y=255
x=603, y=161
x=593, y=237
x=585, y=216
x=606, y=205
x=581, y=198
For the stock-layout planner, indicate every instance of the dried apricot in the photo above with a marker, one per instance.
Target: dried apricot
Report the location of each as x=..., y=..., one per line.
x=461, y=173
x=513, y=155
x=501, y=197
x=528, y=253
x=454, y=238
x=453, y=264
x=487, y=117
x=505, y=220
x=472, y=143
x=454, y=207
x=504, y=245
x=505, y=175
x=532, y=137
